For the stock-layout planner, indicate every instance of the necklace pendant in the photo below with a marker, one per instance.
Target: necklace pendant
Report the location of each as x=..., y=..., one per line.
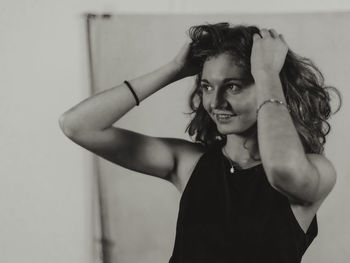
x=232, y=170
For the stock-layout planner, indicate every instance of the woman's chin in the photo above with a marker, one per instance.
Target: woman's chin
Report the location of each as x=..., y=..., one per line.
x=229, y=129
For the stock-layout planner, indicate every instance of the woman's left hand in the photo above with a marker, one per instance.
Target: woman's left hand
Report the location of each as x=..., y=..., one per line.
x=268, y=53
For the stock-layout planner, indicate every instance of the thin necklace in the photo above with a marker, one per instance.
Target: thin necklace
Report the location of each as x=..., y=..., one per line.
x=234, y=166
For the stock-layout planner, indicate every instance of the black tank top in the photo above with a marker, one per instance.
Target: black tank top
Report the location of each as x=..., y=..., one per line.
x=236, y=218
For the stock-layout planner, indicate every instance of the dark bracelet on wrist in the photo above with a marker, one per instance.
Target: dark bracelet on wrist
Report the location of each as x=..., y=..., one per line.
x=133, y=92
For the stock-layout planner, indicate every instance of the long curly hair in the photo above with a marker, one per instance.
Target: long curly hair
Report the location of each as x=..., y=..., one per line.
x=303, y=85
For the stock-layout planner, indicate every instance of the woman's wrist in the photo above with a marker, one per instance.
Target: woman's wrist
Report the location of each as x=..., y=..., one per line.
x=268, y=87
x=177, y=70
x=263, y=76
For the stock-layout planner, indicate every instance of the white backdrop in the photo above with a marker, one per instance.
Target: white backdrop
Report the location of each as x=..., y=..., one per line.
x=142, y=210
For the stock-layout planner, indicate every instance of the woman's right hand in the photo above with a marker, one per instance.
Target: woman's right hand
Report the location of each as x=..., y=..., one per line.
x=185, y=64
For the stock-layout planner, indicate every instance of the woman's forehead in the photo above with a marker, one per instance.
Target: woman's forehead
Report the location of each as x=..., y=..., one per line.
x=221, y=67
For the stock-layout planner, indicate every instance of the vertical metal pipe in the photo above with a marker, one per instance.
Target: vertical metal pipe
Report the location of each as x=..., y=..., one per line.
x=105, y=242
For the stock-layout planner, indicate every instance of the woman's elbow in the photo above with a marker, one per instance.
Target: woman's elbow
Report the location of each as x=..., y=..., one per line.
x=66, y=128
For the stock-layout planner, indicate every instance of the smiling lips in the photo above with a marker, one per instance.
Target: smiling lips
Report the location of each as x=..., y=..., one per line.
x=224, y=116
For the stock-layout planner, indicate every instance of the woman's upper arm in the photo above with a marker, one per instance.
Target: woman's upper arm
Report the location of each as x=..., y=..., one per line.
x=138, y=152
x=326, y=175
x=309, y=183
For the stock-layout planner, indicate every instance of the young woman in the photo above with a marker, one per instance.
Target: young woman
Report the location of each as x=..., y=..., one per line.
x=255, y=175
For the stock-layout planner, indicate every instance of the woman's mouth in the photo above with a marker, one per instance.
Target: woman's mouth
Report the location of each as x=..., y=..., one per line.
x=224, y=117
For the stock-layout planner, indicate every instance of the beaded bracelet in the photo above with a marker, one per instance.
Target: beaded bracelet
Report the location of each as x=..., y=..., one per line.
x=133, y=92
x=272, y=101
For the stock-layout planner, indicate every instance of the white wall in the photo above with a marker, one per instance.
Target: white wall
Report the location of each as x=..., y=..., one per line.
x=45, y=180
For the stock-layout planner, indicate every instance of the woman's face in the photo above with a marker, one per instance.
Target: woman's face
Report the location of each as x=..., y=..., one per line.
x=229, y=101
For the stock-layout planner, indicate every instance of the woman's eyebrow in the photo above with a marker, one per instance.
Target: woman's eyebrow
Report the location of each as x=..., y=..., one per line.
x=226, y=80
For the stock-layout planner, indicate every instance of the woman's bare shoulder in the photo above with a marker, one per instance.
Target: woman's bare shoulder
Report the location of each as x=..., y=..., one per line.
x=187, y=155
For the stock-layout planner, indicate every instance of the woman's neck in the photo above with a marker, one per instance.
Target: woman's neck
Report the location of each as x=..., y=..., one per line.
x=242, y=149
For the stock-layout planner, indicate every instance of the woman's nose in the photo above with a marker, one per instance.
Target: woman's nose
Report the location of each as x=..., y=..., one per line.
x=218, y=100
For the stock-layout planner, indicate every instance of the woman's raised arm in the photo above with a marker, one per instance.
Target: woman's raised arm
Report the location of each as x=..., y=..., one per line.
x=89, y=124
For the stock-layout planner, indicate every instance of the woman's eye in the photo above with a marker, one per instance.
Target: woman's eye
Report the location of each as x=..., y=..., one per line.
x=206, y=87
x=233, y=87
